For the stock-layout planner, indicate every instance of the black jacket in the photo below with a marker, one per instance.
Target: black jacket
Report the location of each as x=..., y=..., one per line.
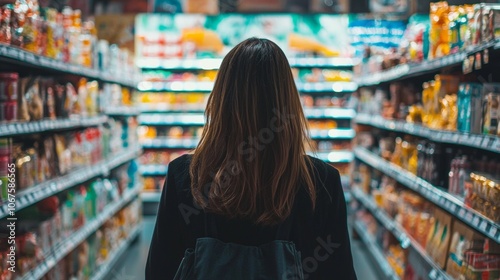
x=320, y=235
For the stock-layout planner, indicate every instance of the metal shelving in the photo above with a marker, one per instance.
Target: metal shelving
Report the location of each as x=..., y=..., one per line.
x=59, y=251
x=439, y=197
x=405, y=71
x=43, y=190
x=214, y=63
x=105, y=268
x=13, y=55
x=375, y=251
x=399, y=233
x=480, y=141
x=197, y=86
x=22, y=128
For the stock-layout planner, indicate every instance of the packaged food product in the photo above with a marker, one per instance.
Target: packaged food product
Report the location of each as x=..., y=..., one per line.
x=34, y=101
x=491, y=109
x=5, y=24
x=22, y=104
x=469, y=106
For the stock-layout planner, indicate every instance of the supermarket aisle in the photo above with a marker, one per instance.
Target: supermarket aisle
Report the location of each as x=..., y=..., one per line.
x=131, y=267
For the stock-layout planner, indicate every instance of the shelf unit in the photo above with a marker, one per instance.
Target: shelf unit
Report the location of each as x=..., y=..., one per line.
x=399, y=233
x=375, y=251
x=214, y=63
x=439, y=197
x=15, y=59
x=22, y=128
x=164, y=114
x=19, y=57
x=480, y=141
x=48, y=188
x=62, y=249
x=105, y=268
x=406, y=71
x=192, y=86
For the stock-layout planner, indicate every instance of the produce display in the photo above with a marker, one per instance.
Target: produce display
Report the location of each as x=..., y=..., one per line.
x=62, y=36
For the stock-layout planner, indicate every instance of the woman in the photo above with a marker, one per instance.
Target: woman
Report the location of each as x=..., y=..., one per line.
x=250, y=173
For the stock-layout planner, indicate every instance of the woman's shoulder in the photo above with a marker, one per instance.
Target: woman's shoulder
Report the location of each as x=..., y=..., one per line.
x=323, y=169
x=327, y=179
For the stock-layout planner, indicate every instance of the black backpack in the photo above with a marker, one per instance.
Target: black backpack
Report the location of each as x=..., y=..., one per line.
x=212, y=259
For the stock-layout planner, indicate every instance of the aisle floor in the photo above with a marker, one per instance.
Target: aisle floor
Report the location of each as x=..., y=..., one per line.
x=131, y=266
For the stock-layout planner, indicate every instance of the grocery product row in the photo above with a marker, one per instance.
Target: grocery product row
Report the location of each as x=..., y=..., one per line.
x=34, y=104
x=48, y=163
x=191, y=64
x=416, y=234
x=55, y=41
x=459, y=179
x=90, y=249
x=450, y=36
x=443, y=104
x=190, y=86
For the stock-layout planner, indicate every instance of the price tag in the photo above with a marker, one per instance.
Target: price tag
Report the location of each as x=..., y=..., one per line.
x=475, y=221
x=496, y=145
x=478, y=141
x=486, y=143
x=483, y=226
x=433, y=274
x=468, y=217
x=461, y=213
x=453, y=207
x=493, y=231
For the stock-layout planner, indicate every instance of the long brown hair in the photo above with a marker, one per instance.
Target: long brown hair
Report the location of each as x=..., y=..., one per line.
x=250, y=162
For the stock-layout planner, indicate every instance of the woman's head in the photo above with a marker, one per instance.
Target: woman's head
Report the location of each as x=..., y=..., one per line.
x=251, y=158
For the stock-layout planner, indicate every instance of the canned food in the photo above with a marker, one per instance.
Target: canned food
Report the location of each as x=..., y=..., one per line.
x=8, y=111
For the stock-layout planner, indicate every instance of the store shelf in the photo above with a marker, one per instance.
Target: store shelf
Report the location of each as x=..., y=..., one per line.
x=214, y=63
x=480, y=141
x=194, y=86
x=176, y=86
x=43, y=190
x=327, y=87
x=105, y=268
x=151, y=196
x=329, y=113
x=171, y=108
x=375, y=251
x=332, y=134
x=153, y=170
x=198, y=119
x=16, y=56
x=62, y=249
x=15, y=129
x=122, y=111
x=429, y=66
x=441, y=198
x=334, y=156
x=192, y=119
x=170, y=143
x=399, y=233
